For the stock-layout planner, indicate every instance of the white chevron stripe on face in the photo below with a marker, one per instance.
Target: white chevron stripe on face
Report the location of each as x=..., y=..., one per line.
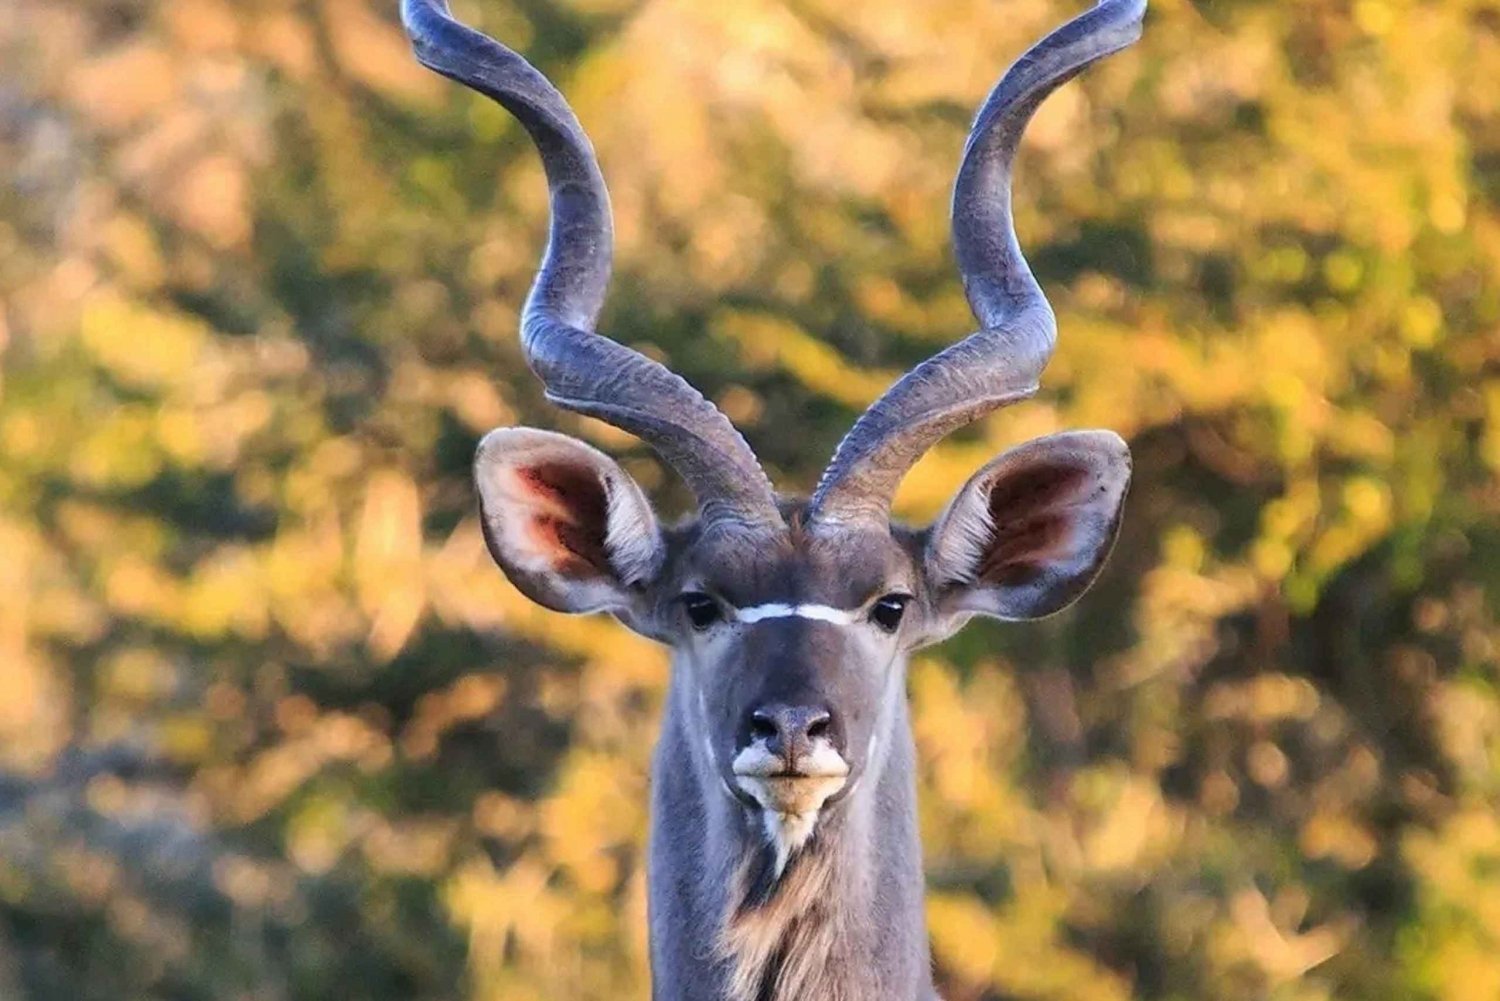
x=822, y=613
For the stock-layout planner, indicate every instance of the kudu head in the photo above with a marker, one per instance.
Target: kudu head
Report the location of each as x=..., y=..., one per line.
x=791, y=619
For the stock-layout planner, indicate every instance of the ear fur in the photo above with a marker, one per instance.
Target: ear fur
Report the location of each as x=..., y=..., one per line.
x=1029, y=532
x=569, y=527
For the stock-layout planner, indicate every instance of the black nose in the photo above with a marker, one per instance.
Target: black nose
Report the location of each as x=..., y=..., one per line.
x=789, y=731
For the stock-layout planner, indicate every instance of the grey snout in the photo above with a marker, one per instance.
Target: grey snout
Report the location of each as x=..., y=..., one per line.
x=792, y=733
x=791, y=762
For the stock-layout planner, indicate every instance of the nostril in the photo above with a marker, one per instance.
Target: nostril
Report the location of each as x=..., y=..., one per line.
x=763, y=726
x=819, y=727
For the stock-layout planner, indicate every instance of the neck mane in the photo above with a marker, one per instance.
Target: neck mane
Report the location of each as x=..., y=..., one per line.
x=842, y=920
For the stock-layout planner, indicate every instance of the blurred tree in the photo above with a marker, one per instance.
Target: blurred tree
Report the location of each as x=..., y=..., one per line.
x=274, y=728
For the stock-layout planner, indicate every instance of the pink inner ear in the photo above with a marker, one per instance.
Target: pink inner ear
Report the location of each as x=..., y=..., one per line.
x=1022, y=548
x=568, y=517
x=1035, y=488
x=1033, y=526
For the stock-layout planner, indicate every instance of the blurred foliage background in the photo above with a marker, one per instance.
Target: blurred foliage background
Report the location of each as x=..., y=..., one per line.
x=271, y=725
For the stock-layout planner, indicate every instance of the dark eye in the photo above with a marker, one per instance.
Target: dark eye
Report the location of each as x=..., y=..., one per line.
x=702, y=611
x=887, y=612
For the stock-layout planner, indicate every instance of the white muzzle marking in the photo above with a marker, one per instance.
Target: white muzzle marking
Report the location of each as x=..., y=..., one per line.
x=790, y=803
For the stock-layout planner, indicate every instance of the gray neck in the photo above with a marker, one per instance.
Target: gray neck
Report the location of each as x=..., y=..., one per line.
x=871, y=890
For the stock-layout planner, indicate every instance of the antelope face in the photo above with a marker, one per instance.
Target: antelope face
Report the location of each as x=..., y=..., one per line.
x=792, y=643
x=792, y=637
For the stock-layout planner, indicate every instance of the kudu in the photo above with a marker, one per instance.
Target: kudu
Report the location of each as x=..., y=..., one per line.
x=784, y=855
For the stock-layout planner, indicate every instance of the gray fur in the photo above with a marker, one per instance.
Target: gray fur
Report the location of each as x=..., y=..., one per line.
x=700, y=838
x=745, y=904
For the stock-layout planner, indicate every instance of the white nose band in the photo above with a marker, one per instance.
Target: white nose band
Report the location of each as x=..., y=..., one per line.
x=822, y=613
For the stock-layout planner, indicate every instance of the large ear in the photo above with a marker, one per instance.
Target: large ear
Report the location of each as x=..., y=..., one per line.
x=567, y=525
x=1029, y=532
